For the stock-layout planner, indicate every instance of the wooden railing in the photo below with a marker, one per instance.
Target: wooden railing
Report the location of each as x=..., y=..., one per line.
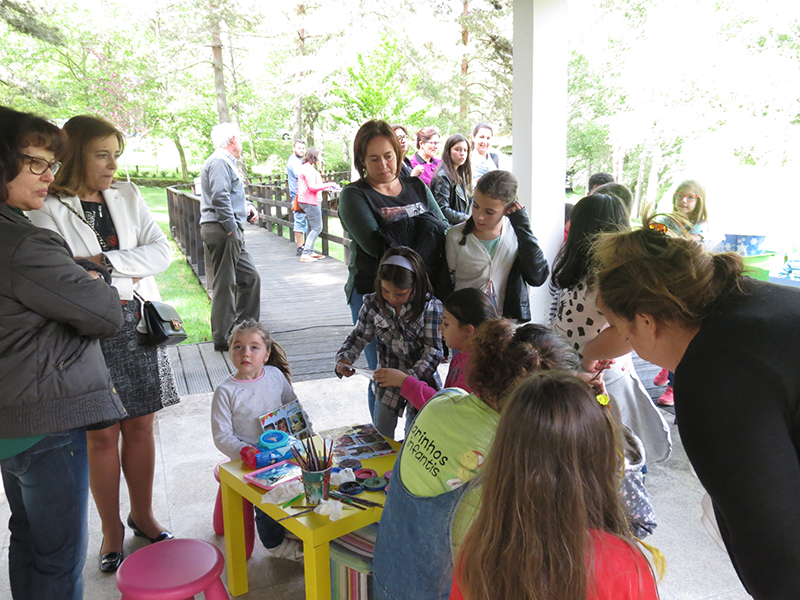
x=274, y=208
x=271, y=198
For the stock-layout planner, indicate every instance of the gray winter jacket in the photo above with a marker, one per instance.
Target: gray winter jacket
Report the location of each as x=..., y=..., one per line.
x=52, y=373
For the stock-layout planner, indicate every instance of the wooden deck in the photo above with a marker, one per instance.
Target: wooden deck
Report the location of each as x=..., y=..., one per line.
x=302, y=304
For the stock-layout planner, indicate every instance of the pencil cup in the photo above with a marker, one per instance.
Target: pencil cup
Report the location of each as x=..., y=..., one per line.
x=316, y=484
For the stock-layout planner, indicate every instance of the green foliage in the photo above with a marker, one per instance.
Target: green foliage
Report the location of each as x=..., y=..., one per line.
x=376, y=88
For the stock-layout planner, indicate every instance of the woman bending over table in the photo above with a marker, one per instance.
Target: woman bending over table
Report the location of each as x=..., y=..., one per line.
x=732, y=343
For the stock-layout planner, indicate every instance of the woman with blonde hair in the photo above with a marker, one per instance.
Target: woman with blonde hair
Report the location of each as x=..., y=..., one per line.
x=110, y=224
x=732, y=343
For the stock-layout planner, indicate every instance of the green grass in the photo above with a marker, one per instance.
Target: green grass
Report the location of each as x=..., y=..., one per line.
x=179, y=285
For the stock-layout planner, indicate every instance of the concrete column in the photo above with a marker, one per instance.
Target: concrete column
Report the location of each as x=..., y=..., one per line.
x=540, y=125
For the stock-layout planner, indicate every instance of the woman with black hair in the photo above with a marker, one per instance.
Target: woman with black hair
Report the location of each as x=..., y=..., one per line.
x=453, y=178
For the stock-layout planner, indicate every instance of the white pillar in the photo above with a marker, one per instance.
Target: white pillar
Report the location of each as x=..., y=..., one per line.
x=540, y=125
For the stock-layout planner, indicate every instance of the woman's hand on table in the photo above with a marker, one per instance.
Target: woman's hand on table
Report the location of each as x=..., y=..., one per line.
x=389, y=377
x=342, y=369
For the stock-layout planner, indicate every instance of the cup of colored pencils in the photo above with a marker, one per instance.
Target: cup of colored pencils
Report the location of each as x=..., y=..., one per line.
x=316, y=469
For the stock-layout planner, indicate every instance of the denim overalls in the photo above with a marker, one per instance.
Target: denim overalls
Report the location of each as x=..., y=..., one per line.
x=413, y=552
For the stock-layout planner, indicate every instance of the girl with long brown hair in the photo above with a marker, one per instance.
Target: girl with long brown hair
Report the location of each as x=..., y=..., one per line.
x=550, y=496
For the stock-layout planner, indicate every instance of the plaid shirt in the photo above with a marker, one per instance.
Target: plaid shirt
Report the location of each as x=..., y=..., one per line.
x=413, y=347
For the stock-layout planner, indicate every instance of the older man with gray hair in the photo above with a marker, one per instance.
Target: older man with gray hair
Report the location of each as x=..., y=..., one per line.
x=224, y=209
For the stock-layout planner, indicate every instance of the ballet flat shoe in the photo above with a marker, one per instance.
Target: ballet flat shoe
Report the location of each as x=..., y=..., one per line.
x=111, y=561
x=164, y=535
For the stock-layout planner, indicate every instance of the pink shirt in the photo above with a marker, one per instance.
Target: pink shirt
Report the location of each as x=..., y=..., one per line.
x=310, y=184
x=418, y=392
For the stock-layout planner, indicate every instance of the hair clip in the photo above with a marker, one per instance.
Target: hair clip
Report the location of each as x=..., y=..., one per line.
x=659, y=227
x=603, y=399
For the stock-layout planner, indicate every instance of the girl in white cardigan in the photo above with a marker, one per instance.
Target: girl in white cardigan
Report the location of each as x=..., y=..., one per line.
x=494, y=250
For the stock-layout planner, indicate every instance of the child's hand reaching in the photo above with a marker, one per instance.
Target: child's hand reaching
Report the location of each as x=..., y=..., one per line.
x=389, y=377
x=342, y=369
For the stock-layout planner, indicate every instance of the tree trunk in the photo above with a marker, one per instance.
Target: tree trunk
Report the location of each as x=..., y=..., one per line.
x=652, y=179
x=184, y=168
x=297, y=129
x=219, y=74
x=637, y=199
x=618, y=161
x=462, y=109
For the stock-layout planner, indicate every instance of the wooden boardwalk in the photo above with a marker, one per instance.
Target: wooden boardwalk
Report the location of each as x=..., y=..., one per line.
x=302, y=304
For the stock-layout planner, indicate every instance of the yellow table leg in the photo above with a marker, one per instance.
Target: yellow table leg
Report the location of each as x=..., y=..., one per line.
x=318, y=571
x=235, y=555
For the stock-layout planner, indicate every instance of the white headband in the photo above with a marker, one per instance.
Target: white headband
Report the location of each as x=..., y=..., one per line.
x=399, y=261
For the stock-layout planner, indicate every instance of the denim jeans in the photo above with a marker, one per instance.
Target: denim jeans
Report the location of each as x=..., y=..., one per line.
x=314, y=216
x=370, y=350
x=270, y=532
x=47, y=487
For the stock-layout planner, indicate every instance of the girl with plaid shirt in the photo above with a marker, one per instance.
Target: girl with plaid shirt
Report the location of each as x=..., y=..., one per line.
x=404, y=317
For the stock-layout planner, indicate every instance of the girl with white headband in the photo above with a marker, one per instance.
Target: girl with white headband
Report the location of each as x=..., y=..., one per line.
x=404, y=317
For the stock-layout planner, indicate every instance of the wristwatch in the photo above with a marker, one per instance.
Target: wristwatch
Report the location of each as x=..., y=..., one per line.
x=106, y=263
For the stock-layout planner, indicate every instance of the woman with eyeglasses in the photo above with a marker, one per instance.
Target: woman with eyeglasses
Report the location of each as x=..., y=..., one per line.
x=732, y=343
x=110, y=224
x=402, y=135
x=424, y=162
x=52, y=373
x=381, y=200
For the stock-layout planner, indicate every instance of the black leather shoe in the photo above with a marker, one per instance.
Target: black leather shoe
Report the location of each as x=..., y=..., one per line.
x=164, y=535
x=110, y=562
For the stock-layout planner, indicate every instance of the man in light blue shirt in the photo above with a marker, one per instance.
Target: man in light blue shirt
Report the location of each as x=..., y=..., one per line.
x=236, y=287
x=293, y=172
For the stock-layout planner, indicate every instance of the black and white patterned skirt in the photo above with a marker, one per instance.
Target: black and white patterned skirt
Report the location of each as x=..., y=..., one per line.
x=141, y=374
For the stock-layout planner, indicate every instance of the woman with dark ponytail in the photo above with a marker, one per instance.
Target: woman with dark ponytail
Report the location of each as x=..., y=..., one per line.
x=732, y=343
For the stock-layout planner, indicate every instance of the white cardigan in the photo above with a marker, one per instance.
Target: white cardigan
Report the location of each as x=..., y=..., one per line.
x=144, y=249
x=471, y=265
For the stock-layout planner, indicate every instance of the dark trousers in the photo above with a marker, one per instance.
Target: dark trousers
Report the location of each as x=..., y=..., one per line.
x=237, y=286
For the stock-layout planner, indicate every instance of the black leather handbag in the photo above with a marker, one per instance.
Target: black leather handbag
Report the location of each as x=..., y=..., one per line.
x=161, y=325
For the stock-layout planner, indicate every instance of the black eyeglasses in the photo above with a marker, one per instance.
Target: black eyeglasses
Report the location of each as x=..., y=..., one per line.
x=402, y=137
x=39, y=165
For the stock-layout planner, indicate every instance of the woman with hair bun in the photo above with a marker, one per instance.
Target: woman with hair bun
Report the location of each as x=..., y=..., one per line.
x=732, y=343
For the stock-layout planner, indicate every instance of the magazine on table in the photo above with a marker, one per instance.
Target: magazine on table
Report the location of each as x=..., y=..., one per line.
x=357, y=441
x=290, y=418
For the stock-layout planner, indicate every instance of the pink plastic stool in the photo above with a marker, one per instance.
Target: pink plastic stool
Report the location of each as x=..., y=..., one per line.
x=173, y=570
x=247, y=508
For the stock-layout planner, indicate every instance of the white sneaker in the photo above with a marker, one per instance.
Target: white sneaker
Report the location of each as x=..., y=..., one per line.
x=288, y=549
x=307, y=258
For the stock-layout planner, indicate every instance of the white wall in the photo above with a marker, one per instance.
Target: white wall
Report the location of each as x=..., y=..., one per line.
x=540, y=124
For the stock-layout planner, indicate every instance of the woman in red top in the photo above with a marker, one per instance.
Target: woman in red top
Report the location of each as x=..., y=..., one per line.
x=309, y=190
x=551, y=493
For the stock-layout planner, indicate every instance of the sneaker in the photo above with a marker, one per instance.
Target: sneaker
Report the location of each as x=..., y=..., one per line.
x=307, y=258
x=299, y=251
x=288, y=549
x=667, y=398
x=317, y=256
x=662, y=378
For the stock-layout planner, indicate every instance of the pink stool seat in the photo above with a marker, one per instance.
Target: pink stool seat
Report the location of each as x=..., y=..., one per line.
x=173, y=570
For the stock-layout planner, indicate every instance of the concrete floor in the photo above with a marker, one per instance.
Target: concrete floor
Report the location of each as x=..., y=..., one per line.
x=185, y=491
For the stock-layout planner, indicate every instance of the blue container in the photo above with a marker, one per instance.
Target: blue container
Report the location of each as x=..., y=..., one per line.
x=746, y=245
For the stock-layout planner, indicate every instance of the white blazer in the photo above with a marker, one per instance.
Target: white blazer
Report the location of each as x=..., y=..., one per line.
x=144, y=250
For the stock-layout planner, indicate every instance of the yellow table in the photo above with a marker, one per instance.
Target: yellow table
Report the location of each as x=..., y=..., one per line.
x=316, y=531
